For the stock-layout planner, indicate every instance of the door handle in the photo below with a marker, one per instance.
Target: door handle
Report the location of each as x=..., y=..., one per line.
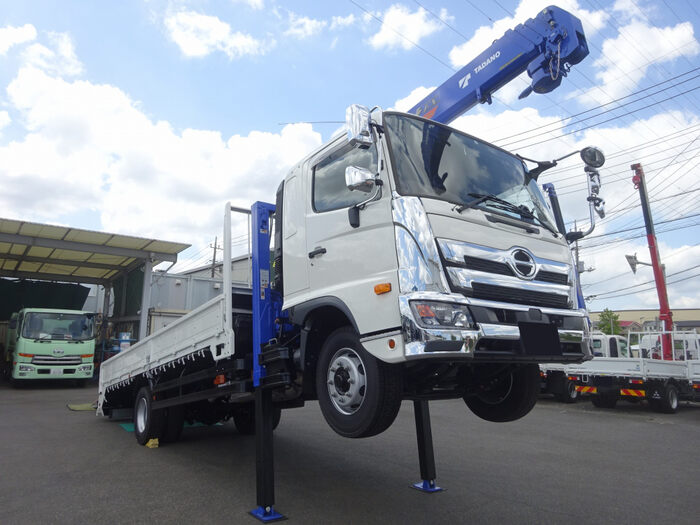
x=317, y=251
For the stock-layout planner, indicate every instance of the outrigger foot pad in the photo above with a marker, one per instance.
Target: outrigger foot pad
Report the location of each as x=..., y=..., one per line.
x=267, y=514
x=427, y=485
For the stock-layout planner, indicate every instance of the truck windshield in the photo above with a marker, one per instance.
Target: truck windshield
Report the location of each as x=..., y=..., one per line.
x=435, y=161
x=58, y=326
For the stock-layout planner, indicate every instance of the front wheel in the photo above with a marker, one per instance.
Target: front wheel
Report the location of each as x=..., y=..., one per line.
x=508, y=397
x=359, y=395
x=148, y=423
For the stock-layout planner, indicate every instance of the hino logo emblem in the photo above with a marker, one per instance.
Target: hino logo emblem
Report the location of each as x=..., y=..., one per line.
x=58, y=352
x=523, y=263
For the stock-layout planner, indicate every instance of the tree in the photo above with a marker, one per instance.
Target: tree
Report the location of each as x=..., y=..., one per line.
x=609, y=322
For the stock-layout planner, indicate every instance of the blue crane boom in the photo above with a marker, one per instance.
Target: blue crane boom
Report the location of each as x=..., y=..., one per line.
x=545, y=46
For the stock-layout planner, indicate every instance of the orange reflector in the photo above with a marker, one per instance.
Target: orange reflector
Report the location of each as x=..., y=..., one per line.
x=392, y=343
x=572, y=378
x=25, y=355
x=382, y=288
x=220, y=379
x=87, y=355
x=696, y=386
x=636, y=381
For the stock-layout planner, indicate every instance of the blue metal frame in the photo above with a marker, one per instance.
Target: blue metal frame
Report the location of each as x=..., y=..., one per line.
x=267, y=304
x=267, y=515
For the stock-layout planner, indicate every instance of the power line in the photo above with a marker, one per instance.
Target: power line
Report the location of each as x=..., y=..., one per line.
x=608, y=103
x=594, y=297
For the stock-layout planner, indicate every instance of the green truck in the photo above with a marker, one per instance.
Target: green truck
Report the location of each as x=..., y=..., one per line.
x=44, y=343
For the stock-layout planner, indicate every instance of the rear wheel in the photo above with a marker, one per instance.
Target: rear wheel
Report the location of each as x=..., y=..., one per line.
x=508, y=397
x=570, y=394
x=244, y=418
x=148, y=423
x=604, y=400
x=359, y=395
x=668, y=404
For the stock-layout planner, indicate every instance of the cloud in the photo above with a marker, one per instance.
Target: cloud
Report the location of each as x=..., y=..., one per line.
x=254, y=4
x=485, y=35
x=88, y=146
x=339, y=22
x=303, y=26
x=61, y=60
x=198, y=35
x=413, y=98
x=637, y=43
x=5, y=119
x=401, y=25
x=11, y=36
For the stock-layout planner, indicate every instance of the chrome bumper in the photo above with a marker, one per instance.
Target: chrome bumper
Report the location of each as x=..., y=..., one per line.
x=486, y=341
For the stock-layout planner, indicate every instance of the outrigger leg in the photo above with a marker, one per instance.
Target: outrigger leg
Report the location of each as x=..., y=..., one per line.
x=426, y=457
x=264, y=461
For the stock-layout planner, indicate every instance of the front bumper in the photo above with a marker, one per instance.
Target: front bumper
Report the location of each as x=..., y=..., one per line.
x=502, y=332
x=30, y=371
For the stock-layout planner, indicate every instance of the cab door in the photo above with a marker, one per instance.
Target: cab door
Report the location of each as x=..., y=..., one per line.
x=344, y=262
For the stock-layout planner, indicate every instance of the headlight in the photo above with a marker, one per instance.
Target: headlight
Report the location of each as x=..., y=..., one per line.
x=432, y=314
x=26, y=368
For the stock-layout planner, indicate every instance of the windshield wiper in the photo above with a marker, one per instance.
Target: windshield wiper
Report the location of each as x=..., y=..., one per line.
x=505, y=205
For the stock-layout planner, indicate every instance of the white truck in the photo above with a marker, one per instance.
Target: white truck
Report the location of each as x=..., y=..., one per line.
x=618, y=374
x=400, y=284
x=556, y=378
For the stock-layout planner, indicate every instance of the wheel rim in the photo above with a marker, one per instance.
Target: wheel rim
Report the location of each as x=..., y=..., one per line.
x=141, y=415
x=572, y=390
x=346, y=381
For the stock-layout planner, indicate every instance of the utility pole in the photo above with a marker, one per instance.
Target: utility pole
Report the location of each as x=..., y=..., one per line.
x=576, y=249
x=665, y=314
x=213, y=260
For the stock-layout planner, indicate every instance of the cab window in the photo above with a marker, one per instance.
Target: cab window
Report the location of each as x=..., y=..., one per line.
x=329, y=189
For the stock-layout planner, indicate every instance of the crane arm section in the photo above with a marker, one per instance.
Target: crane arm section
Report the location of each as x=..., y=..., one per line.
x=545, y=46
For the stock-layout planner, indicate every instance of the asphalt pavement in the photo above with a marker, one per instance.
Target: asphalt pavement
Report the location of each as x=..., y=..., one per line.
x=560, y=464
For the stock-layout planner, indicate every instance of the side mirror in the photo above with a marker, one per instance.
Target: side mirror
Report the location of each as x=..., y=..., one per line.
x=357, y=120
x=13, y=324
x=360, y=179
x=593, y=157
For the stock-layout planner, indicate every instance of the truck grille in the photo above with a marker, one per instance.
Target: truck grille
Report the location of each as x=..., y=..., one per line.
x=60, y=361
x=505, y=294
x=484, y=265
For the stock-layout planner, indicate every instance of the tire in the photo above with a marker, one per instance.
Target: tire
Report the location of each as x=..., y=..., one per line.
x=244, y=418
x=510, y=397
x=359, y=395
x=174, y=421
x=668, y=404
x=604, y=400
x=570, y=395
x=148, y=423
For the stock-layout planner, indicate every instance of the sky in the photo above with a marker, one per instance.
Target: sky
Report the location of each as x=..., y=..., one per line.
x=143, y=117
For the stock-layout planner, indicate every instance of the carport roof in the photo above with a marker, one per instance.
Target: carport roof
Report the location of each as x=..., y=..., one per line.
x=59, y=253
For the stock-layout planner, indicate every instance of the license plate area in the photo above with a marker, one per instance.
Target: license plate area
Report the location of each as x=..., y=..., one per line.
x=539, y=339
x=56, y=371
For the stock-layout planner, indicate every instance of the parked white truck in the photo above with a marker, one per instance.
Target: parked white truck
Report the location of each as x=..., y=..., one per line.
x=618, y=374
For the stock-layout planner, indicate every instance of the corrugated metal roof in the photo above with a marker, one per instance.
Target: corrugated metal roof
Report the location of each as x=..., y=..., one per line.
x=49, y=252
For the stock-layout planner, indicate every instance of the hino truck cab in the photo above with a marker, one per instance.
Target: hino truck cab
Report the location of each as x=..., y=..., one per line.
x=429, y=257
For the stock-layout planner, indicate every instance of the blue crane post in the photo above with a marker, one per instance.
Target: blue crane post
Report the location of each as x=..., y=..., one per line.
x=266, y=307
x=545, y=46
